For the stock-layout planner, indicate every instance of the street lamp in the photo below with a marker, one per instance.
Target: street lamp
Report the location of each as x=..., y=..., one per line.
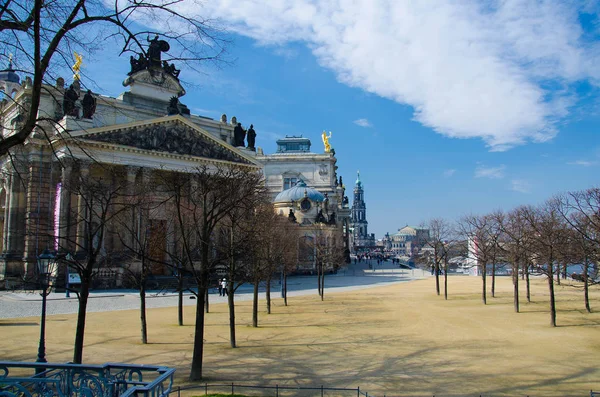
x=46, y=263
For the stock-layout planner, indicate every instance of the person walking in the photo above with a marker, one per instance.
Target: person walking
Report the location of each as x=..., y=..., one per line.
x=224, y=287
x=220, y=287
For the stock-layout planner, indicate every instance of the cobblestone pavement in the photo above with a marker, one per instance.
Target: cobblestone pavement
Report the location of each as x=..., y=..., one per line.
x=355, y=276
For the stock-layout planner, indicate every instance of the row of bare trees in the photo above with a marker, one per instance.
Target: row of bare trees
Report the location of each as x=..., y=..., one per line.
x=545, y=239
x=213, y=222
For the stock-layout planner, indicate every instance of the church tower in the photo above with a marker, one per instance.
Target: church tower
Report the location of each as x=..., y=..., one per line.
x=361, y=237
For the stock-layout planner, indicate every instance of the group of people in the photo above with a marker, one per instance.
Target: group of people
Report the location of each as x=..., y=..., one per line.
x=222, y=286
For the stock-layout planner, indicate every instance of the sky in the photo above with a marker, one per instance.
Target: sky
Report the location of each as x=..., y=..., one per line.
x=446, y=107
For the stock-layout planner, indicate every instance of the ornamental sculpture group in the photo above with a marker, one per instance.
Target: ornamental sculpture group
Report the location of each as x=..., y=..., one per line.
x=239, y=133
x=152, y=59
x=70, y=107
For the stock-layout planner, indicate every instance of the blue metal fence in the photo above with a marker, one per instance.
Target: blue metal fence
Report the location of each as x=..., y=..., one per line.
x=106, y=380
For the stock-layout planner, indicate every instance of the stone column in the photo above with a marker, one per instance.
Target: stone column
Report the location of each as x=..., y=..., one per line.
x=131, y=191
x=81, y=243
x=64, y=221
x=7, y=213
x=13, y=215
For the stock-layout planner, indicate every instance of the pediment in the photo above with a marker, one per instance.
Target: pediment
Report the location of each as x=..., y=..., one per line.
x=169, y=135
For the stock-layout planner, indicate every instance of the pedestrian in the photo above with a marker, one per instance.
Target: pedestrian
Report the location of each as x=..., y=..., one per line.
x=220, y=287
x=224, y=286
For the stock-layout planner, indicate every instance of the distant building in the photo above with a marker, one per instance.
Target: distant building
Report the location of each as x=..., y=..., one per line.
x=360, y=237
x=407, y=241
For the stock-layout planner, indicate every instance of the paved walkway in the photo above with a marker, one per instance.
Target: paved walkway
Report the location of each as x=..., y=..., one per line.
x=354, y=277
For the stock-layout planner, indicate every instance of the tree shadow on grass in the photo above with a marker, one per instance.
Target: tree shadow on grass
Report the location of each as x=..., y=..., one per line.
x=2, y=324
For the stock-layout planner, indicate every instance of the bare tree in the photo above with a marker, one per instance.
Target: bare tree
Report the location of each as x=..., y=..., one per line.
x=582, y=250
x=439, y=233
x=43, y=34
x=482, y=233
x=288, y=238
x=201, y=201
x=143, y=242
x=547, y=238
x=97, y=195
x=514, y=245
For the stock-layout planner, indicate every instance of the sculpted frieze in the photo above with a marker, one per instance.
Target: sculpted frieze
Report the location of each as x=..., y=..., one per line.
x=171, y=138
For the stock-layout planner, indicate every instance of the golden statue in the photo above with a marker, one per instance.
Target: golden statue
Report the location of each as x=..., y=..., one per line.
x=77, y=66
x=326, y=141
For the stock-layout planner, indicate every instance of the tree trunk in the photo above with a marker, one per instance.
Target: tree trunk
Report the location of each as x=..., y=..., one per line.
x=516, y=287
x=319, y=280
x=322, y=284
x=552, y=301
x=437, y=277
x=143, y=313
x=586, y=296
x=446, y=284
x=494, y=279
x=180, y=299
x=526, y=270
x=196, y=370
x=284, y=286
x=231, y=304
x=558, y=274
x=484, y=282
x=255, y=305
x=268, y=294
x=564, y=271
x=206, y=299
x=80, y=330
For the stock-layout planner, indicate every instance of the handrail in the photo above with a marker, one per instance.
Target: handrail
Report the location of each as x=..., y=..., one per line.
x=114, y=379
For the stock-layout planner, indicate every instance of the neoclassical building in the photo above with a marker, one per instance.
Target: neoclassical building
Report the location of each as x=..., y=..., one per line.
x=144, y=132
x=408, y=240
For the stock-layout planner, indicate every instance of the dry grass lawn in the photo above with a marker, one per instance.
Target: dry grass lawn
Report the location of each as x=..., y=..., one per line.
x=398, y=340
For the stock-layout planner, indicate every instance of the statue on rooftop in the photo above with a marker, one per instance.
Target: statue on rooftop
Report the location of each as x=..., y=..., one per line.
x=155, y=47
x=70, y=98
x=326, y=141
x=238, y=135
x=251, y=137
x=291, y=216
x=137, y=64
x=89, y=105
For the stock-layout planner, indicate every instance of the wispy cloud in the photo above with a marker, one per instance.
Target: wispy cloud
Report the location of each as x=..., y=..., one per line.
x=490, y=172
x=449, y=173
x=363, y=123
x=462, y=66
x=583, y=163
x=520, y=185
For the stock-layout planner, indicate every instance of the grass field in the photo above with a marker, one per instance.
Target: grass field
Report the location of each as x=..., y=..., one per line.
x=398, y=340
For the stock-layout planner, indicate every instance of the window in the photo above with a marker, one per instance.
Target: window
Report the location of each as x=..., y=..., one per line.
x=289, y=183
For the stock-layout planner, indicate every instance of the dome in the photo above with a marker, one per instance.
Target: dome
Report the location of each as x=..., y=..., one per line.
x=9, y=74
x=298, y=192
x=358, y=182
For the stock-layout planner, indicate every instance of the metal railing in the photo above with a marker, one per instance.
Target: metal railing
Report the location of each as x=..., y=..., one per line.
x=106, y=380
x=277, y=390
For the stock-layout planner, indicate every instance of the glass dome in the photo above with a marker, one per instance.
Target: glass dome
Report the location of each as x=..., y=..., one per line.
x=298, y=192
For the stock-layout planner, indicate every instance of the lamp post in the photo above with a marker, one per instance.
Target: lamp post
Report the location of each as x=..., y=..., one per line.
x=46, y=263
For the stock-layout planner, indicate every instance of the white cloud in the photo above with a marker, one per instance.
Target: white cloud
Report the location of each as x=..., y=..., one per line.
x=520, y=185
x=490, y=172
x=449, y=173
x=475, y=69
x=363, y=123
x=583, y=163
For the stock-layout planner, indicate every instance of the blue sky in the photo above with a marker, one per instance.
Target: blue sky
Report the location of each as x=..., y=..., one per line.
x=446, y=108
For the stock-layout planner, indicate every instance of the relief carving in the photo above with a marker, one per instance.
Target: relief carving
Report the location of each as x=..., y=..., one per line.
x=170, y=138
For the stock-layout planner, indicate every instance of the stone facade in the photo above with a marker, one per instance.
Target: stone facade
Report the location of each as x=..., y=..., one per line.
x=134, y=137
